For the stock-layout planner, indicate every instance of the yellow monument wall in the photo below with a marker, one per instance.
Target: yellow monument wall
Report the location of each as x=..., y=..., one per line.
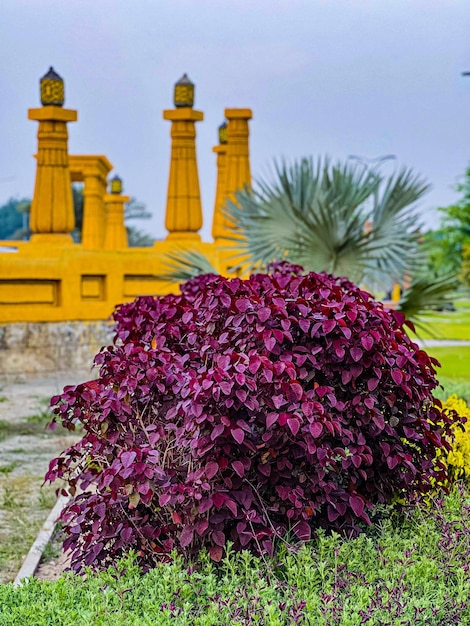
x=52, y=279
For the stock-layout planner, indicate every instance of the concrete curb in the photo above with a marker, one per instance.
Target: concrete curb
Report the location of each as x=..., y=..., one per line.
x=31, y=562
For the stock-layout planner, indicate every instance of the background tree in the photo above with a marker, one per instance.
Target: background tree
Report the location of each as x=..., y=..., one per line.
x=465, y=271
x=14, y=219
x=445, y=246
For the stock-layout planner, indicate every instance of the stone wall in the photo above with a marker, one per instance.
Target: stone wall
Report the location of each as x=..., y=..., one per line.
x=50, y=347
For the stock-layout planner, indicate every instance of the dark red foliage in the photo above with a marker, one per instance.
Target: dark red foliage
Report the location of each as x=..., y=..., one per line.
x=242, y=410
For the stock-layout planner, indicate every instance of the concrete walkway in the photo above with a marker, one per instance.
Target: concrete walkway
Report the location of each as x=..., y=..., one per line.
x=441, y=343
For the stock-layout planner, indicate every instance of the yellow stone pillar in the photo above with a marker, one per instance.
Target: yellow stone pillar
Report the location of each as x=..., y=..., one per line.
x=92, y=170
x=116, y=234
x=52, y=217
x=219, y=221
x=396, y=293
x=238, y=173
x=183, y=218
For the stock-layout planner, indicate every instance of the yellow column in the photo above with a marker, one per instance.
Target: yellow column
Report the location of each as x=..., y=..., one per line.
x=183, y=217
x=238, y=173
x=92, y=171
x=52, y=218
x=396, y=293
x=219, y=221
x=116, y=234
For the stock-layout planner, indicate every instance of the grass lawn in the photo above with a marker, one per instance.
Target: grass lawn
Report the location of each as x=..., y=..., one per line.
x=446, y=324
x=455, y=361
x=454, y=375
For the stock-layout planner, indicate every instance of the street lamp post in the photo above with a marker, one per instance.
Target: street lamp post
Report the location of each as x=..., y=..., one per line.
x=372, y=163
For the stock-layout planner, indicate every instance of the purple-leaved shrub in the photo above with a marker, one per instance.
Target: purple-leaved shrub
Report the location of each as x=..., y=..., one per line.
x=242, y=410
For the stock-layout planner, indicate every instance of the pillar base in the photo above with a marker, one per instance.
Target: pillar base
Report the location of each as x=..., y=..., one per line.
x=183, y=236
x=52, y=239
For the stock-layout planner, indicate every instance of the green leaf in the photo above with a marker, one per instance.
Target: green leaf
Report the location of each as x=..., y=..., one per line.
x=183, y=265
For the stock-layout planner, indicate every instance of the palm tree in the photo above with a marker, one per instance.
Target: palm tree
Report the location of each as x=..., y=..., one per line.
x=340, y=218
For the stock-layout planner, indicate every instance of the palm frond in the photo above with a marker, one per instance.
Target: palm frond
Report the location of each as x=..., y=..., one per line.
x=182, y=265
x=425, y=295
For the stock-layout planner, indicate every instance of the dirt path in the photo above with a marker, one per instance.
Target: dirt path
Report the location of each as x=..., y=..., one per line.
x=26, y=448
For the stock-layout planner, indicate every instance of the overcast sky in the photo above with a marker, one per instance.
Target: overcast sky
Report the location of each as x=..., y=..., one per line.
x=337, y=77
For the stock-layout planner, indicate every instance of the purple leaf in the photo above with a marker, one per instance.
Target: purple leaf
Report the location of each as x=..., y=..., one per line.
x=328, y=326
x=201, y=526
x=367, y=342
x=211, y=469
x=294, y=425
x=218, y=499
x=186, y=536
x=127, y=458
x=217, y=431
x=243, y=304
x=332, y=513
x=379, y=421
x=303, y=531
x=254, y=364
x=216, y=553
x=238, y=435
x=270, y=342
x=218, y=537
x=264, y=314
x=204, y=505
x=356, y=354
x=357, y=504
x=271, y=419
x=239, y=468
x=231, y=506
x=164, y=499
x=316, y=429
x=278, y=401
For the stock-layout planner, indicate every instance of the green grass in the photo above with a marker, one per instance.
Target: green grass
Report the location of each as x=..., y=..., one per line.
x=454, y=375
x=446, y=325
x=405, y=569
x=7, y=469
x=455, y=361
x=32, y=425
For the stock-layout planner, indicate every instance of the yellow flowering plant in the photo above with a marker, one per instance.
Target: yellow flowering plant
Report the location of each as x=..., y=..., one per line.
x=457, y=459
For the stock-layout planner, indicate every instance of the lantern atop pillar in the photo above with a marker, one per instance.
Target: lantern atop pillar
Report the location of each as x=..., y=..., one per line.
x=52, y=89
x=223, y=133
x=184, y=92
x=116, y=185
